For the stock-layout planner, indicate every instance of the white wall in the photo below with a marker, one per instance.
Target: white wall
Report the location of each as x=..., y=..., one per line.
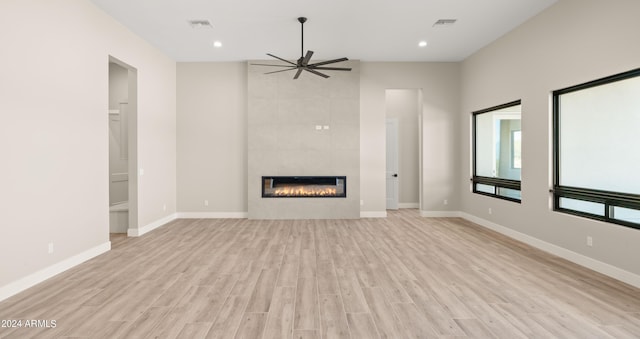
x=54, y=135
x=572, y=42
x=212, y=137
x=440, y=88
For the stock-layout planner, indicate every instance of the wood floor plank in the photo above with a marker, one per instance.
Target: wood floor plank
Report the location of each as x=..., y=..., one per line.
x=193, y=330
x=280, y=320
x=261, y=297
x=333, y=317
x=306, y=334
x=395, y=277
x=289, y=270
x=474, y=328
x=361, y=326
x=146, y=322
x=327, y=280
x=412, y=325
x=229, y=318
x=386, y=321
x=252, y=326
x=351, y=291
x=306, y=316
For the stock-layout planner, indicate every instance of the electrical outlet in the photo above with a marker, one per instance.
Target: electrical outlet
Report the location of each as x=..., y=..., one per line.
x=490, y=210
x=206, y=202
x=445, y=201
x=589, y=241
x=164, y=207
x=361, y=202
x=141, y=171
x=50, y=247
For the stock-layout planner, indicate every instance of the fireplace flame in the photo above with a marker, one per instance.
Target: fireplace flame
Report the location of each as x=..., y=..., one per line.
x=305, y=191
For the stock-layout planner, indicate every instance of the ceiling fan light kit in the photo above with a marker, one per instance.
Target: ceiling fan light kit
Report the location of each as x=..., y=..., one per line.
x=302, y=64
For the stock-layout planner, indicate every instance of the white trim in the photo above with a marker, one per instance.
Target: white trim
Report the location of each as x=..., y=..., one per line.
x=598, y=266
x=440, y=214
x=136, y=232
x=213, y=215
x=30, y=280
x=408, y=205
x=373, y=214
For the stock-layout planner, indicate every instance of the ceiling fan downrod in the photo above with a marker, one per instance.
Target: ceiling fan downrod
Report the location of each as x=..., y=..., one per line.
x=302, y=20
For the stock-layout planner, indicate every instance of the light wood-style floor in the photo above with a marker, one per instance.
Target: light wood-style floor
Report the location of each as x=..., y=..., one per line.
x=399, y=277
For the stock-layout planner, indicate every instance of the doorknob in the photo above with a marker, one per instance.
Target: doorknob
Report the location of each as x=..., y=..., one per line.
x=395, y=175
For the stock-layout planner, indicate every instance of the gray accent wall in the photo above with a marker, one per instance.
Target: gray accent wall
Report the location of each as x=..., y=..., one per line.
x=304, y=127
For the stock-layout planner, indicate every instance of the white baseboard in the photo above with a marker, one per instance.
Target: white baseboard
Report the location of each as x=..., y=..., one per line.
x=136, y=232
x=213, y=215
x=582, y=260
x=373, y=214
x=440, y=214
x=33, y=279
x=408, y=205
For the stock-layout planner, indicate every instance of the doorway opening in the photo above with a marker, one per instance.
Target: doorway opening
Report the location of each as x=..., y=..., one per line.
x=122, y=129
x=403, y=148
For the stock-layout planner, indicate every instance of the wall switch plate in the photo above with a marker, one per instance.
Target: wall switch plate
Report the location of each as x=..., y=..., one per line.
x=589, y=241
x=164, y=207
x=141, y=171
x=446, y=201
x=50, y=247
x=206, y=202
x=318, y=127
x=490, y=210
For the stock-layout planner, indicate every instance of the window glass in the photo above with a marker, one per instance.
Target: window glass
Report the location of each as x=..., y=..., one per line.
x=599, y=128
x=596, y=160
x=582, y=206
x=497, y=151
x=496, y=146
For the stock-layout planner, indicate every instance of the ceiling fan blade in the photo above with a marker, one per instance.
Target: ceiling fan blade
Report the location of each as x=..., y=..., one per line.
x=272, y=65
x=279, y=58
x=297, y=73
x=316, y=72
x=307, y=58
x=282, y=70
x=331, y=68
x=329, y=62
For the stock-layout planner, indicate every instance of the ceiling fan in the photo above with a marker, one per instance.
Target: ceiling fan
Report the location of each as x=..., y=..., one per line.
x=303, y=63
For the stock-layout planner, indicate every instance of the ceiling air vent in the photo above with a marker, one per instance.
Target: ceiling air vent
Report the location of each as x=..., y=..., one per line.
x=199, y=24
x=445, y=22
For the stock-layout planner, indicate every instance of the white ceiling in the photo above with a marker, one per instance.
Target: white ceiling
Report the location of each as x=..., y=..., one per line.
x=369, y=30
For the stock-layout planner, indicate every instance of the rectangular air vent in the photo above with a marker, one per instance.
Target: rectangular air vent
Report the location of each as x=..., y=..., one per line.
x=198, y=24
x=445, y=22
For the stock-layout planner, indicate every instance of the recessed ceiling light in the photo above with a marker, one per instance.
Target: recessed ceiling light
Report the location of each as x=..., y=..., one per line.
x=217, y=44
x=445, y=22
x=422, y=44
x=199, y=24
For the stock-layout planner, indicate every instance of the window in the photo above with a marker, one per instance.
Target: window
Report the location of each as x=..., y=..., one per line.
x=596, y=160
x=497, y=153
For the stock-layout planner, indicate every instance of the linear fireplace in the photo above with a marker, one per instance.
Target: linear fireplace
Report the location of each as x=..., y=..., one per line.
x=304, y=187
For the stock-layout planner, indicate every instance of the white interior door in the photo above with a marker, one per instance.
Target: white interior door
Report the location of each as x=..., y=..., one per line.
x=392, y=164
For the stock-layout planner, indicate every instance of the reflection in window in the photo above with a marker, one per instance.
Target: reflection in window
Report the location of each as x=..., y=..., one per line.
x=516, y=149
x=497, y=151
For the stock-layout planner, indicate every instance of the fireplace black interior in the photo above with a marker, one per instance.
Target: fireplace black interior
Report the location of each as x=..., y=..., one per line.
x=304, y=187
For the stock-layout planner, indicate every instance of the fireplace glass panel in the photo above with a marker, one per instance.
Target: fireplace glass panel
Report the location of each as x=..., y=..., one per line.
x=304, y=187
